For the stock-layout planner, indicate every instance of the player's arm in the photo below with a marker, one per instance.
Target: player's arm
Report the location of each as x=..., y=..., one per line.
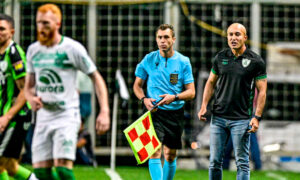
x=207, y=94
x=139, y=93
x=261, y=86
x=103, y=119
x=16, y=107
x=29, y=91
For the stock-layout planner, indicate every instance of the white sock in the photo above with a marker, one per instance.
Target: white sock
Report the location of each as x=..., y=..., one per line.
x=32, y=177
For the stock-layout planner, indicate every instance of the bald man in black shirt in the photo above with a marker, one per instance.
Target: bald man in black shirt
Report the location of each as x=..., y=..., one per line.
x=235, y=73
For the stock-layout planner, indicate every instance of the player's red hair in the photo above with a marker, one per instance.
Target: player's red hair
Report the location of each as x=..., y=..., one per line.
x=51, y=7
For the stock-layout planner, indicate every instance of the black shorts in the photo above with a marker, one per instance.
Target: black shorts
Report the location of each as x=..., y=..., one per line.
x=11, y=140
x=169, y=127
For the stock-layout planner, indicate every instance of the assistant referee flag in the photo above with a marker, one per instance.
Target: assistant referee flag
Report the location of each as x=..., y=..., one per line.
x=142, y=138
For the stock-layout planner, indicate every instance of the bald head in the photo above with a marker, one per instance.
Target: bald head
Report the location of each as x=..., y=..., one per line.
x=236, y=37
x=237, y=26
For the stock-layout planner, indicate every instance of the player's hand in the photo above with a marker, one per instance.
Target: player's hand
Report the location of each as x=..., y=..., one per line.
x=201, y=114
x=36, y=103
x=102, y=122
x=4, y=120
x=167, y=99
x=254, y=123
x=148, y=102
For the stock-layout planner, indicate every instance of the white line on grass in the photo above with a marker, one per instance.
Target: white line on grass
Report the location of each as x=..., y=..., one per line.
x=113, y=174
x=275, y=176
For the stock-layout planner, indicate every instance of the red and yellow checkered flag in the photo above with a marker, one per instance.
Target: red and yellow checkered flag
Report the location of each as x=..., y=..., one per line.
x=142, y=138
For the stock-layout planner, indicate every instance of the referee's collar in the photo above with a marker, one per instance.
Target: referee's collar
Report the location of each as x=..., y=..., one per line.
x=172, y=57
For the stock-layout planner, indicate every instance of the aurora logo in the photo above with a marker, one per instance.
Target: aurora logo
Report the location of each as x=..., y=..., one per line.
x=51, y=80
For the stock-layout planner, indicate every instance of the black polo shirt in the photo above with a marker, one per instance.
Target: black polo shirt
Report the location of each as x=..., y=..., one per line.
x=235, y=88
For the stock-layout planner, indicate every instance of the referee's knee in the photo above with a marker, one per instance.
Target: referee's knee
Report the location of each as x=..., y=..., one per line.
x=170, y=155
x=157, y=154
x=170, y=158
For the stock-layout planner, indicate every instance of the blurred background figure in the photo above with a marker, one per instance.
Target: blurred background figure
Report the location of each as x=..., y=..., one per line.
x=84, y=151
x=85, y=88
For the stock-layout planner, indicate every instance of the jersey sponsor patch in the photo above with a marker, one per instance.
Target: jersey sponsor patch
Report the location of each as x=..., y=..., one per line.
x=246, y=62
x=174, y=78
x=18, y=66
x=50, y=81
x=225, y=61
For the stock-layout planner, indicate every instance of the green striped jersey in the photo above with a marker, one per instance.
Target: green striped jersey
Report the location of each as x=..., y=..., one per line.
x=12, y=67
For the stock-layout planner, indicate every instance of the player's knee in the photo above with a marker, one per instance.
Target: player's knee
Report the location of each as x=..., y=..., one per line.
x=2, y=169
x=63, y=163
x=8, y=164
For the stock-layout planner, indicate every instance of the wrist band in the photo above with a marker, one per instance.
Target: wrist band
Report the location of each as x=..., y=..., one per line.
x=142, y=99
x=258, y=117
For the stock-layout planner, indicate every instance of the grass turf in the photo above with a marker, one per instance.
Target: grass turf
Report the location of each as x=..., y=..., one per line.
x=141, y=173
x=130, y=173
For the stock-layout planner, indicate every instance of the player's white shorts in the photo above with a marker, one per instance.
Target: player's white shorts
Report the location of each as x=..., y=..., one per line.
x=57, y=137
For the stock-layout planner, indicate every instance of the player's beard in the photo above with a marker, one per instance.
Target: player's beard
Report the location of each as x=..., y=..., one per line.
x=3, y=40
x=45, y=38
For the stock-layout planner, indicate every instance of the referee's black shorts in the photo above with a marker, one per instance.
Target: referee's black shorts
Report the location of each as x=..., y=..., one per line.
x=168, y=126
x=11, y=140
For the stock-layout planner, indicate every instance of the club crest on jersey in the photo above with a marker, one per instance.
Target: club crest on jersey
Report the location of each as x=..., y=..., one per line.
x=246, y=62
x=174, y=78
x=3, y=66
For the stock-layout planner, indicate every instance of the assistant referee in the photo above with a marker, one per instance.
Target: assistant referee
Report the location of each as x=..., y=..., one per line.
x=169, y=79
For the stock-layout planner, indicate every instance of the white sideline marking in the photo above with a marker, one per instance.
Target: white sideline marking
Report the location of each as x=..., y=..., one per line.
x=275, y=176
x=113, y=174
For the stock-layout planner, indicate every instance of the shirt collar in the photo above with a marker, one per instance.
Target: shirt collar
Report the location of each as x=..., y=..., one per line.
x=245, y=54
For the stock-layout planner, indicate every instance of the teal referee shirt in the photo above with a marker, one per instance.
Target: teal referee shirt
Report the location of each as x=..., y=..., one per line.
x=165, y=76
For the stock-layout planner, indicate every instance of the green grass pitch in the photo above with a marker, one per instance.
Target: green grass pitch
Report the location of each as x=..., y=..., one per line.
x=141, y=173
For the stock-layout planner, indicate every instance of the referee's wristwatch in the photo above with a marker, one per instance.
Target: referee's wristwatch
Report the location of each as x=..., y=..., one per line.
x=176, y=97
x=258, y=117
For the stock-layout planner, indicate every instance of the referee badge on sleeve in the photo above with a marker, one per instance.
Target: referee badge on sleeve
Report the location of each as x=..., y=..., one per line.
x=174, y=78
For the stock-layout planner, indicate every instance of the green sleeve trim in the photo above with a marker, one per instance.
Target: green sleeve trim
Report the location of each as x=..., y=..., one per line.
x=213, y=71
x=21, y=52
x=261, y=77
x=20, y=75
x=62, y=39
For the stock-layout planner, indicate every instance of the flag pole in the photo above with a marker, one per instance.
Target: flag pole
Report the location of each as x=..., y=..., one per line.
x=121, y=90
x=114, y=132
